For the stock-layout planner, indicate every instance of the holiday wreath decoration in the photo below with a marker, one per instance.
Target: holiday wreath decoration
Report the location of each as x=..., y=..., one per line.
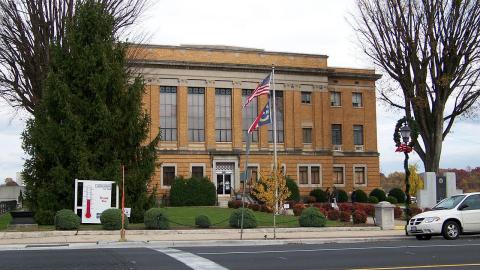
x=397, y=138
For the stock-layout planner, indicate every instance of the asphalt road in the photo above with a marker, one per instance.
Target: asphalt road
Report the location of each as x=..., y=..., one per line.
x=402, y=254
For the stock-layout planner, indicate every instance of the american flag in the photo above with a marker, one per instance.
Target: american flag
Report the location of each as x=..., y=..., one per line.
x=263, y=88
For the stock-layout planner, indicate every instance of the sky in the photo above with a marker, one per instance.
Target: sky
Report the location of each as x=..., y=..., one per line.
x=302, y=26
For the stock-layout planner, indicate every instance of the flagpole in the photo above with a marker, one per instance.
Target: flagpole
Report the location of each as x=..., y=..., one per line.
x=275, y=211
x=244, y=182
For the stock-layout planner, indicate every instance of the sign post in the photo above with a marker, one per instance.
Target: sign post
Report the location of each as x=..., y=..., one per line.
x=122, y=231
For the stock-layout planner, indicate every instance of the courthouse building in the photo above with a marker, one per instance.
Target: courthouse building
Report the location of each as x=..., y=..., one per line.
x=326, y=117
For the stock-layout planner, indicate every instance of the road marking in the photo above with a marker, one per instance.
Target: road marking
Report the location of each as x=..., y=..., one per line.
x=191, y=260
x=330, y=249
x=420, y=266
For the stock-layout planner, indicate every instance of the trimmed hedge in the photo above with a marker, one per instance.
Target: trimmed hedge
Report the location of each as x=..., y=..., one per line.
x=111, y=219
x=202, y=221
x=373, y=199
x=345, y=216
x=156, y=219
x=342, y=196
x=312, y=217
x=360, y=196
x=397, y=212
x=333, y=214
x=380, y=194
x=294, y=191
x=66, y=219
x=359, y=217
x=192, y=192
x=392, y=200
x=319, y=194
x=249, y=219
x=44, y=217
x=398, y=194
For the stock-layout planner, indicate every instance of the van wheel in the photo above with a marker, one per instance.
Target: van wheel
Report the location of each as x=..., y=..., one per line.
x=451, y=230
x=423, y=237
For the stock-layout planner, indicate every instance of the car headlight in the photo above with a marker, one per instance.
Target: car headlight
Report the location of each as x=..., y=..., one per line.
x=431, y=219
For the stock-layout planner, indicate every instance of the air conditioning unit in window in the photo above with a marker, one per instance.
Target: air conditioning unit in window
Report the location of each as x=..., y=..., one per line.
x=356, y=105
x=337, y=147
x=359, y=148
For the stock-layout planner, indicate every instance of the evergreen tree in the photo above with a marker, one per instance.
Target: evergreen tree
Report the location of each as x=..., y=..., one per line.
x=90, y=120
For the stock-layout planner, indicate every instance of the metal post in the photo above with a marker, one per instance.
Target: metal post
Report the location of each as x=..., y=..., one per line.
x=407, y=188
x=275, y=210
x=244, y=183
x=122, y=231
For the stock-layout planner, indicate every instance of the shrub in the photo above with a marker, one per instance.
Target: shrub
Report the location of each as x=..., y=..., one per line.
x=44, y=217
x=156, y=219
x=320, y=195
x=66, y=219
x=249, y=219
x=333, y=214
x=345, y=207
x=342, y=196
x=266, y=209
x=380, y=194
x=345, y=216
x=254, y=207
x=311, y=217
x=192, y=192
x=369, y=209
x=360, y=196
x=203, y=221
x=293, y=188
x=111, y=219
x=230, y=204
x=415, y=210
x=309, y=199
x=298, y=208
x=392, y=200
x=398, y=194
x=397, y=212
x=359, y=217
x=373, y=199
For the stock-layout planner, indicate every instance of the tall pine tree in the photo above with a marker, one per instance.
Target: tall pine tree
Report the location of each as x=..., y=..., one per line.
x=90, y=120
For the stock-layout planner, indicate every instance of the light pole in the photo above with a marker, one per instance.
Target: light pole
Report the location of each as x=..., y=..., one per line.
x=405, y=133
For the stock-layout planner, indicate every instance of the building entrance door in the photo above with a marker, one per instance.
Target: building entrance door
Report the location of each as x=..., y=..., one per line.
x=224, y=173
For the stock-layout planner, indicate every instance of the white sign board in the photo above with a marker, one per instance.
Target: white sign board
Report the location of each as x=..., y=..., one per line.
x=127, y=211
x=96, y=198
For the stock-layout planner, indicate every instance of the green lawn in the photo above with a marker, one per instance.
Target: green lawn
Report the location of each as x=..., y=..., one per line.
x=4, y=221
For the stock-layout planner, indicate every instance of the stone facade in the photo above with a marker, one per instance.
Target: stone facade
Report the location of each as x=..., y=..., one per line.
x=236, y=68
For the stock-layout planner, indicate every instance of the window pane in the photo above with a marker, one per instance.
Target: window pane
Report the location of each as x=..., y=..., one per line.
x=196, y=115
x=338, y=175
x=357, y=100
x=303, y=175
x=315, y=174
x=306, y=97
x=358, y=134
x=168, y=175
x=168, y=113
x=307, y=135
x=279, y=118
x=197, y=171
x=359, y=175
x=249, y=113
x=336, y=134
x=223, y=114
x=335, y=99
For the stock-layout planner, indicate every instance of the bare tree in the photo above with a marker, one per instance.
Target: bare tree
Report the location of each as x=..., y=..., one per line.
x=28, y=28
x=431, y=48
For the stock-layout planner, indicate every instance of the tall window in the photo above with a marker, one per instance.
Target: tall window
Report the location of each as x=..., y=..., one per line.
x=309, y=175
x=168, y=175
x=335, y=99
x=307, y=135
x=197, y=171
x=306, y=97
x=253, y=175
x=338, y=178
x=357, y=134
x=303, y=175
x=223, y=114
x=168, y=113
x=359, y=176
x=336, y=134
x=196, y=114
x=249, y=114
x=357, y=100
x=315, y=175
x=279, y=116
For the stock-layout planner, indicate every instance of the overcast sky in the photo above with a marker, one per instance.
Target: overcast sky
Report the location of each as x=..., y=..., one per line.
x=302, y=26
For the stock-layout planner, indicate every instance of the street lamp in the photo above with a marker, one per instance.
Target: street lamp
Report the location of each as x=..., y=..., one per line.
x=405, y=133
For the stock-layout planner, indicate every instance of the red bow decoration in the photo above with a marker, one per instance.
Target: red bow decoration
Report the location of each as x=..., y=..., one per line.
x=404, y=148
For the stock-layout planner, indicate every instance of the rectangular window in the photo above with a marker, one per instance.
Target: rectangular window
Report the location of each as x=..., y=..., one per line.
x=315, y=175
x=357, y=134
x=307, y=135
x=306, y=97
x=357, y=100
x=168, y=175
x=168, y=113
x=337, y=134
x=359, y=175
x=196, y=114
x=303, y=175
x=279, y=117
x=335, y=99
x=249, y=114
x=223, y=114
x=338, y=176
x=197, y=171
x=252, y=175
